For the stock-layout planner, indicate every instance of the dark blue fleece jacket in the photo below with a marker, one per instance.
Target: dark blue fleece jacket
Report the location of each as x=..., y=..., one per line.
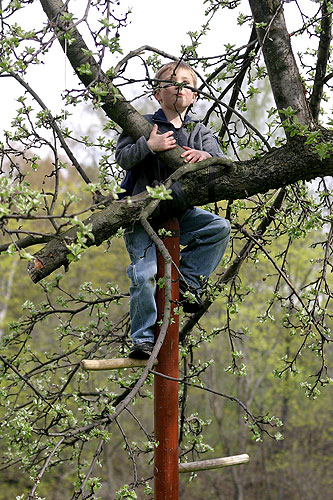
x=143, y=166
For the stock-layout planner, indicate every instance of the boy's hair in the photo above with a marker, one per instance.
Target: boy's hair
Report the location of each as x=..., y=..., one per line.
x=174, y=65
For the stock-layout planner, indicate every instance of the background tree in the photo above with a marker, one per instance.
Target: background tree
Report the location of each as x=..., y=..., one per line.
x=269, y=305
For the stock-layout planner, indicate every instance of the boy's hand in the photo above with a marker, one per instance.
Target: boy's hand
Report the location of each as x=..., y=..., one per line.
x=161, y=142
x=194, y=155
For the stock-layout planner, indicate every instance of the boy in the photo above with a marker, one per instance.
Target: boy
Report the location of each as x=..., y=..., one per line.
x=203, y=235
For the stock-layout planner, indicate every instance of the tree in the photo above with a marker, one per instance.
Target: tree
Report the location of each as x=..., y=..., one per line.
x=267, y=196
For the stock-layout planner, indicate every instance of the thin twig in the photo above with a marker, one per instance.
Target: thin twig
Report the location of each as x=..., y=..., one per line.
x=47, y=461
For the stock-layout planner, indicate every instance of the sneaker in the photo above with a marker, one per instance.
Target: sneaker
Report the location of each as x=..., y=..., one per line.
x=189, y=298
x=142, y=350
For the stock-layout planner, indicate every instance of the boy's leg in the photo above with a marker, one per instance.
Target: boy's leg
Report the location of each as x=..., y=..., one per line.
x=142, y=273
x=205, y=237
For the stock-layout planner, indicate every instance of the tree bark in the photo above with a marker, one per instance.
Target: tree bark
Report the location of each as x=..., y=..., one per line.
x=322, y=61
x=281, y=66
x=232, y=181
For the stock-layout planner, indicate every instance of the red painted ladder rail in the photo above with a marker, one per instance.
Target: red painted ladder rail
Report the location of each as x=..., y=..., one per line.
x=166, y=466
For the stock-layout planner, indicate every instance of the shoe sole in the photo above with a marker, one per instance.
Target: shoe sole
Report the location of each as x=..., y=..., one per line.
x=138, y=353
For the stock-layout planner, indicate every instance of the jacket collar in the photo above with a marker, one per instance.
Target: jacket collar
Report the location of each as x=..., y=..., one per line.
x=159, y=116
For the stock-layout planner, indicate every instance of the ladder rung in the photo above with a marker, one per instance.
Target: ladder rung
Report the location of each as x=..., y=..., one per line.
x=112, y=364
x=214, y=463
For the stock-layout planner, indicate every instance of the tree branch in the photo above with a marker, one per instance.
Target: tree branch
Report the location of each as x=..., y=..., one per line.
x=322, y=61
x=114, y=103
x=282, y=69
x=233, y=181
x=233, y=270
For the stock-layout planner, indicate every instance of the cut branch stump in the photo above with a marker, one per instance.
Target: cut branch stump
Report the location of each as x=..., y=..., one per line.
x=215, y=463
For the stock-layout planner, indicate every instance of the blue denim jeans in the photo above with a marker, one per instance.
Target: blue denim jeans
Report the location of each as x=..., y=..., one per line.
x=204, y=237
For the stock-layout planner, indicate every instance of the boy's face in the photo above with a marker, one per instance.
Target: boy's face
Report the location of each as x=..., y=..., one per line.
x=176, y=97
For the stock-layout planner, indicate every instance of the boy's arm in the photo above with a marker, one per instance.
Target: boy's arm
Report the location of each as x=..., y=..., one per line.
x=130, y=153
x=211, y=144
x=210, y=147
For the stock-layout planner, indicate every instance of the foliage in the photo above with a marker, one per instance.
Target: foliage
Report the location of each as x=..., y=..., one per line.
x=267, y=337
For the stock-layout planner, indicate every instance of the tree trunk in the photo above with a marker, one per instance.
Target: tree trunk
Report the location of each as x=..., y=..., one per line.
x=281, y=66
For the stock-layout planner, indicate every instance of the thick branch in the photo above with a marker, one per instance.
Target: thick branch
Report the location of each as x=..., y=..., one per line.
x=115, y=105
x=281, y=66
x=322, y=60
x=232, y=181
